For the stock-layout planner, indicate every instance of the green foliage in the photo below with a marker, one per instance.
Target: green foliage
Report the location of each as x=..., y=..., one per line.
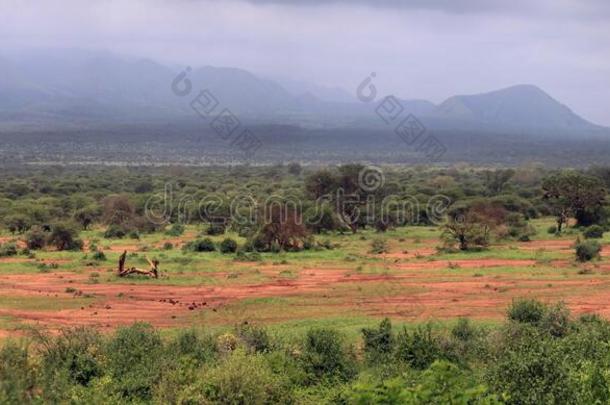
x=176, y=229
x=594, y=232
x=200, y=245
x=255, y=338
x=526, y=311
x=379, y=342
x=587, y=250
x=134, y=358
x=324, y=357
x=228, y=245
x=36, y=239
x=8, y=249
x=419, y=348
x=379, y=246
x=64, y=236
x=17, y=374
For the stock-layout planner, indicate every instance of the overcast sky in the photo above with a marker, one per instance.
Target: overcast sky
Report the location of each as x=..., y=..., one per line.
x=427, y=49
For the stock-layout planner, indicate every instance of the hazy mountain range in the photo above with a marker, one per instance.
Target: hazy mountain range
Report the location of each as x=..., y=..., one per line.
x=55, y=87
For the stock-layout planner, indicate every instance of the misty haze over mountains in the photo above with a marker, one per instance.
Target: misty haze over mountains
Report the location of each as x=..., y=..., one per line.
x=53, y=87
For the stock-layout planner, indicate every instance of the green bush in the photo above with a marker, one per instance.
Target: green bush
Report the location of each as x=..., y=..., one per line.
x=175, y=230
x=324, y=357
x=17, y=375
x=190, y=343
x=115, y=232
x=255, y=338
x=64, y=236
x=526, y=311
x=134, y=361
x=8, y=249
x=552, y=230
x=378, y=342
x=36, y=239
x=242, y=379
x=200, y=245
x=418, y=348
x=463, y=330
x=594, y=232
x=99, y=256
x=228, y=246
x=587, y=250
x=215, y=229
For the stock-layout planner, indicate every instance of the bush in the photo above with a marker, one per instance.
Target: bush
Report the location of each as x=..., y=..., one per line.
x=99, y=256
x=418, y=348
x=242, y=256
x=255, y=338
x=463, y=330
x=379, y=246
x=17, y=375
x=190, y=343
x=134, y=360
x=378, y=342
x=323, y=356
x=8, y=249
x=115, y=232
x=36, y=239
x=201, y=245
x=526, y=311
x=215, y=229
x=168, y=246
x=175, y=230
x=242, y=379
x=594, y=232
x=228, y=246
x=552, y=230
x=73, y=356
x=587, y=250
x=64, y=237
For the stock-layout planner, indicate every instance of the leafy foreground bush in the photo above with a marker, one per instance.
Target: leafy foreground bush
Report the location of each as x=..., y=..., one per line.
x=540, y=355
x=594, y=232
x=587, y=250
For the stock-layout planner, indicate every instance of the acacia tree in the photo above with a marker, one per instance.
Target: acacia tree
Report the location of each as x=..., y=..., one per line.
x=571, y=193
x=470, y=225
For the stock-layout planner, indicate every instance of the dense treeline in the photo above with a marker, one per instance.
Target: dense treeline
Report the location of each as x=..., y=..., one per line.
x=540, y=354
x=281, y=207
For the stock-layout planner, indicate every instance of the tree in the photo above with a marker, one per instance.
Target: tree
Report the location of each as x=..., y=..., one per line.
x=471, y=224
x=573, y=193
x=283, y=228
x=86, y=216
x=495, y=181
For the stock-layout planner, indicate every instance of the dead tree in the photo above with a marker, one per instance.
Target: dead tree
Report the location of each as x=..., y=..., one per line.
x=153, y=272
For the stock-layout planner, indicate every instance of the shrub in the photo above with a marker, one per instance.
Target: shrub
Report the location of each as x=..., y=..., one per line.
x=64, y=237
x=8, y=249
x=168, y=246
x=17, y=375
x=324, y=357
x=378, y=342
x=594, y=232
x=242, y=379
x=215, y=229
x=134, y=356
x=201, y=245
x=587, y=250
x=463, y=330
x=73, y=355
x=175, y=230
x=526, y=311
x=379, y=246
x=255, y=338
x=242, y=256
x=228, y=246
x=552, y=230
x=36, y=239
x=556, y=320
x=115, y=232
x=99, y=256
x=418, y=348
x=197, y=346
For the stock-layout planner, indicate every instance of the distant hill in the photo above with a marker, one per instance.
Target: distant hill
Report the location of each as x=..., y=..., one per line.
x=77, y=87
x=523, y=106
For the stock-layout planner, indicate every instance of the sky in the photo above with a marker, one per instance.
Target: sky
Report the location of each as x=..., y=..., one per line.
x=426, y=49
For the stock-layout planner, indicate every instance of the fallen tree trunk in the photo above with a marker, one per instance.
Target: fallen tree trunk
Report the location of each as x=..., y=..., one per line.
x=123, y=272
